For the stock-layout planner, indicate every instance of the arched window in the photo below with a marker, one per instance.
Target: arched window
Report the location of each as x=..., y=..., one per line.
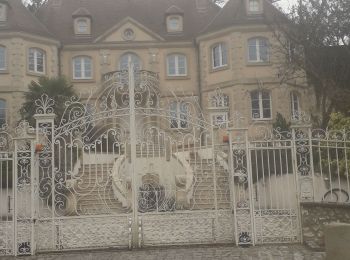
x=36, y=60
x=219, y=55
x=129, y=58
x=179, y=115
x=177, y=65
x=2, y=112
x=82, y=67
x=294, y=105
x=2, y=58
x=261, y=104
x=258, y=50
x=174, y=23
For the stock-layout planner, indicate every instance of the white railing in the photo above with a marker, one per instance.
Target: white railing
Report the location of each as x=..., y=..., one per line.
x=119, y=183
x=222, y=158
x=188, y=178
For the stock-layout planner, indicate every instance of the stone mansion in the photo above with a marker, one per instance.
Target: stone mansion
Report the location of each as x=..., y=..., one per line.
x=224, y=56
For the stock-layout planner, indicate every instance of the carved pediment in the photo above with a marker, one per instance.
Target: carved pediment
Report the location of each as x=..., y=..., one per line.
x=129, y=30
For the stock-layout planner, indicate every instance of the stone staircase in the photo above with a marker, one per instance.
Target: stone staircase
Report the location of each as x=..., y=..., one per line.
x=149, y=151
x=94, y=192
x=203, y=192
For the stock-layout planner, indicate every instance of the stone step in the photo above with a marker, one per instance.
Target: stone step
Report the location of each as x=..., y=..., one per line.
x=87, y=190
x=204, y=191
x=209, y=206
x=95, y=180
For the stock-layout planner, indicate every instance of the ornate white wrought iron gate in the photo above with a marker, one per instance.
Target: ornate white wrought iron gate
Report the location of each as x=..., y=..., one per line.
x=6, y=195
x=121, y=169
x=265, y=195
x=131, y=167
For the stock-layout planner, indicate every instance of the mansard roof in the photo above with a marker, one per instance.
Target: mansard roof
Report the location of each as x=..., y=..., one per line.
x=174, y=10
x=235, y=13
x=57, y=16
x=19, y=19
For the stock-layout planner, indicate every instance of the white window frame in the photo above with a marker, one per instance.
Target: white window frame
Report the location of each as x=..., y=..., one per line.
x=214, y=119
x=179, y=27
x=4, y=57
x=220, y=100
x=176, y=115
x=177, y=58
x=256, y=4
x=77, y=24
x=221, y=55
x=261, y=107
x=219, y=106
x=3, y=12
x=82, y=60
x=129, y=55
x=35, y=61
x=3, y=111
x=257, y=46
x=295, y=105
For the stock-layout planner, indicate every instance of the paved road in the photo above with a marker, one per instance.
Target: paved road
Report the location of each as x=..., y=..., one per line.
x=292, y=252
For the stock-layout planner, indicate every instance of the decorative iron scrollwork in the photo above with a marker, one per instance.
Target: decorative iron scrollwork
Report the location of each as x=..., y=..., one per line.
x=244, y=238
x=24, y=248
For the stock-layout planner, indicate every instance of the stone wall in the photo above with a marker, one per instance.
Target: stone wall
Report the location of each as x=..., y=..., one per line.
x=316, y=215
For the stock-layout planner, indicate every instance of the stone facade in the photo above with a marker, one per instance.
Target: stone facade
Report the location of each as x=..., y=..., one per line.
x=237, y=79
x=315, y=217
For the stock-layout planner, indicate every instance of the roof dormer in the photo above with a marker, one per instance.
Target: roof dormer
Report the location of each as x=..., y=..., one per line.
x=174, y=19
x=4, y=5
x=82, y=22
x=254, y=7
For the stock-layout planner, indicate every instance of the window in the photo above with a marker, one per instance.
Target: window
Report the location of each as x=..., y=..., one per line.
x=174, y=23
x=177, y=65
x=82, y=26
x=219, y=55
x=2, y=112
x=3, y=16
x=220, y=100
x=261, y=105
x=254, y=5
x=220, y=105
x=36, y=60
x=2, y=58
x=179, y=115
x=294, y=105
x=129, y=58
x=220, y=119
x=258, y=50
x=82, y=67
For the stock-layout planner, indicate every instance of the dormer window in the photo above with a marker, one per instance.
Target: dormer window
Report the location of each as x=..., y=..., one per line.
x=82, y=26
x=3, y=12
x=82, y=22
x=174, y=19
x=254, y=6
x=174, y=23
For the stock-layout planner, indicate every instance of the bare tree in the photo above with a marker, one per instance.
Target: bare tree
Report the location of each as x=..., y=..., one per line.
x=314, y=38
x=34, y=5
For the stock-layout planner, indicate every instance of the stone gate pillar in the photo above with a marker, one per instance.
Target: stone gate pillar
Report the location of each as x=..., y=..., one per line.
x=45, y=156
